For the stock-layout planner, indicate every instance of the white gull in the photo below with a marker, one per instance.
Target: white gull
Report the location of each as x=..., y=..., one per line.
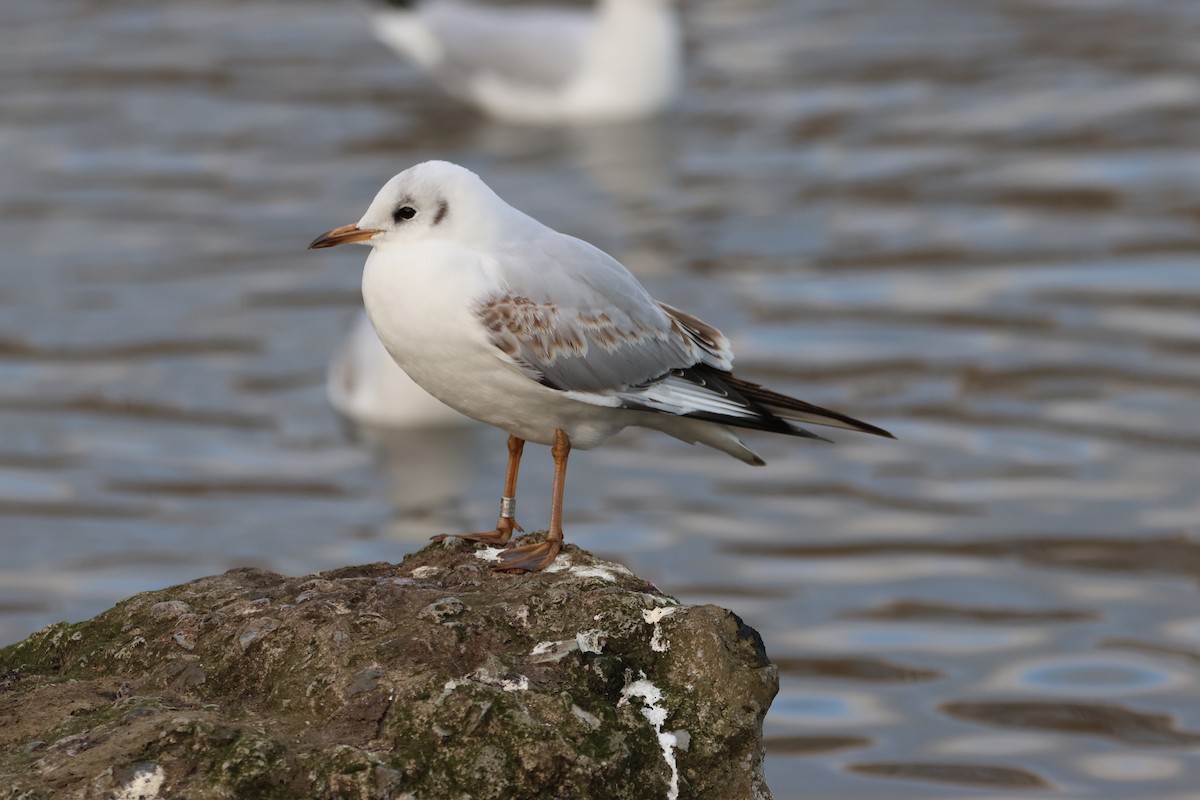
x=543, y=65
x=545, y=337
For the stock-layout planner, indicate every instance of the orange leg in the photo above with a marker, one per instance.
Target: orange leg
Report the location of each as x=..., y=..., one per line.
x=508, y=503
x=535, y=557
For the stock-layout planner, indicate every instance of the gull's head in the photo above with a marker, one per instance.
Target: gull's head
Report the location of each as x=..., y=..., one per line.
x=433, y=199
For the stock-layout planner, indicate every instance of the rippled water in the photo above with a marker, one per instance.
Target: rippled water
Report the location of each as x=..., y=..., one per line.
x=976, y=224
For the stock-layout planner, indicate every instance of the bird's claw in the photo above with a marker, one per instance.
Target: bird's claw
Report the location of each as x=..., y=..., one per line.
x=528, y=557
x=500, y=536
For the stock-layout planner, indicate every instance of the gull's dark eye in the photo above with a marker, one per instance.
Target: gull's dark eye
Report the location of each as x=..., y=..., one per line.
x=403, y=212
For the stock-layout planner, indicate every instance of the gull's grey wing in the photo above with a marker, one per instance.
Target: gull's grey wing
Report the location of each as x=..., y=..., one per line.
x=583, y=348
x=574, y=319
x=605, y=355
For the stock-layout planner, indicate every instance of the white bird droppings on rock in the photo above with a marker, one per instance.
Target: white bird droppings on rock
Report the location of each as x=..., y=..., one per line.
x=489, y=553
x=591, y=641
x=521, y=684
x=654, y=616
x=489, y=675
x=604, y=570
x=145, y=784
x=593, y=572
x=656, y=715
x=547, y=652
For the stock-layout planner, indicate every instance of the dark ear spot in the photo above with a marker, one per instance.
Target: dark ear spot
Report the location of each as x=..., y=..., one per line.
x=442, y=210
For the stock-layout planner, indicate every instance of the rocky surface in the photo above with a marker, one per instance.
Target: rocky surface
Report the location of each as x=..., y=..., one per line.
x=435, y=679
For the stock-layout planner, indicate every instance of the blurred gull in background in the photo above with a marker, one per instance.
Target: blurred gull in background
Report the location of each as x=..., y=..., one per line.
x=542, y=65
x=619, y=61
x=366, y=385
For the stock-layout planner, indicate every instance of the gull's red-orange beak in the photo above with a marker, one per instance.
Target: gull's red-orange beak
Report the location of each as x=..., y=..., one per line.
x=342, y=235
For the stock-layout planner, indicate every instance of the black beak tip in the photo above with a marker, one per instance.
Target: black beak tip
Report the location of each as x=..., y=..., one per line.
x=343, y=235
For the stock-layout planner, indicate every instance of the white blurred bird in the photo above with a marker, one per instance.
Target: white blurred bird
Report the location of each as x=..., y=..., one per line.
x=545, y=336
x=365, y=384
x=542, y=65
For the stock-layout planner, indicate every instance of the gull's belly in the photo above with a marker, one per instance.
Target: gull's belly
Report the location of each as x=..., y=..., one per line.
x=482, y=387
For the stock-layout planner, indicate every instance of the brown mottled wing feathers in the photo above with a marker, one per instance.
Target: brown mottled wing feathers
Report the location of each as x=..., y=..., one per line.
x=584, y=349
x=710, y=340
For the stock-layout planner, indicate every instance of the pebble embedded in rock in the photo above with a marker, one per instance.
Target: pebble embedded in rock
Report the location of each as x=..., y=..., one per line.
x=442, y=610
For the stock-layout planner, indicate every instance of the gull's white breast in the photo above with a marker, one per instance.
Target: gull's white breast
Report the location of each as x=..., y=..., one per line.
x=422, y=300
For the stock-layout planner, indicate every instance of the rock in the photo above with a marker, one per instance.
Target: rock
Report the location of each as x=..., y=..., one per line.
x=437, y=679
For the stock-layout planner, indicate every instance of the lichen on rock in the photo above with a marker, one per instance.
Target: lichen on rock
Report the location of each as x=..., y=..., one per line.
x=435, y=678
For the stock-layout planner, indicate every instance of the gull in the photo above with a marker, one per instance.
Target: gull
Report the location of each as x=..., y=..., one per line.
x=542, y=65
x=546, y=337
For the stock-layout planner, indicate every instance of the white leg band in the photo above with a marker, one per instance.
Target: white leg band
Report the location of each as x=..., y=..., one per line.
x=508, y=507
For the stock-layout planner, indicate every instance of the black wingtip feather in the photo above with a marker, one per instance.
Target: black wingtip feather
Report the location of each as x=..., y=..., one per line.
x=767, y=397
x=760, y=401
x=764, y=419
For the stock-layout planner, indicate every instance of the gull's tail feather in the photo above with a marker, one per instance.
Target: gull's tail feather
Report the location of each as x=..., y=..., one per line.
x=695, y=431
x=793, y=410
x=704, y=394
